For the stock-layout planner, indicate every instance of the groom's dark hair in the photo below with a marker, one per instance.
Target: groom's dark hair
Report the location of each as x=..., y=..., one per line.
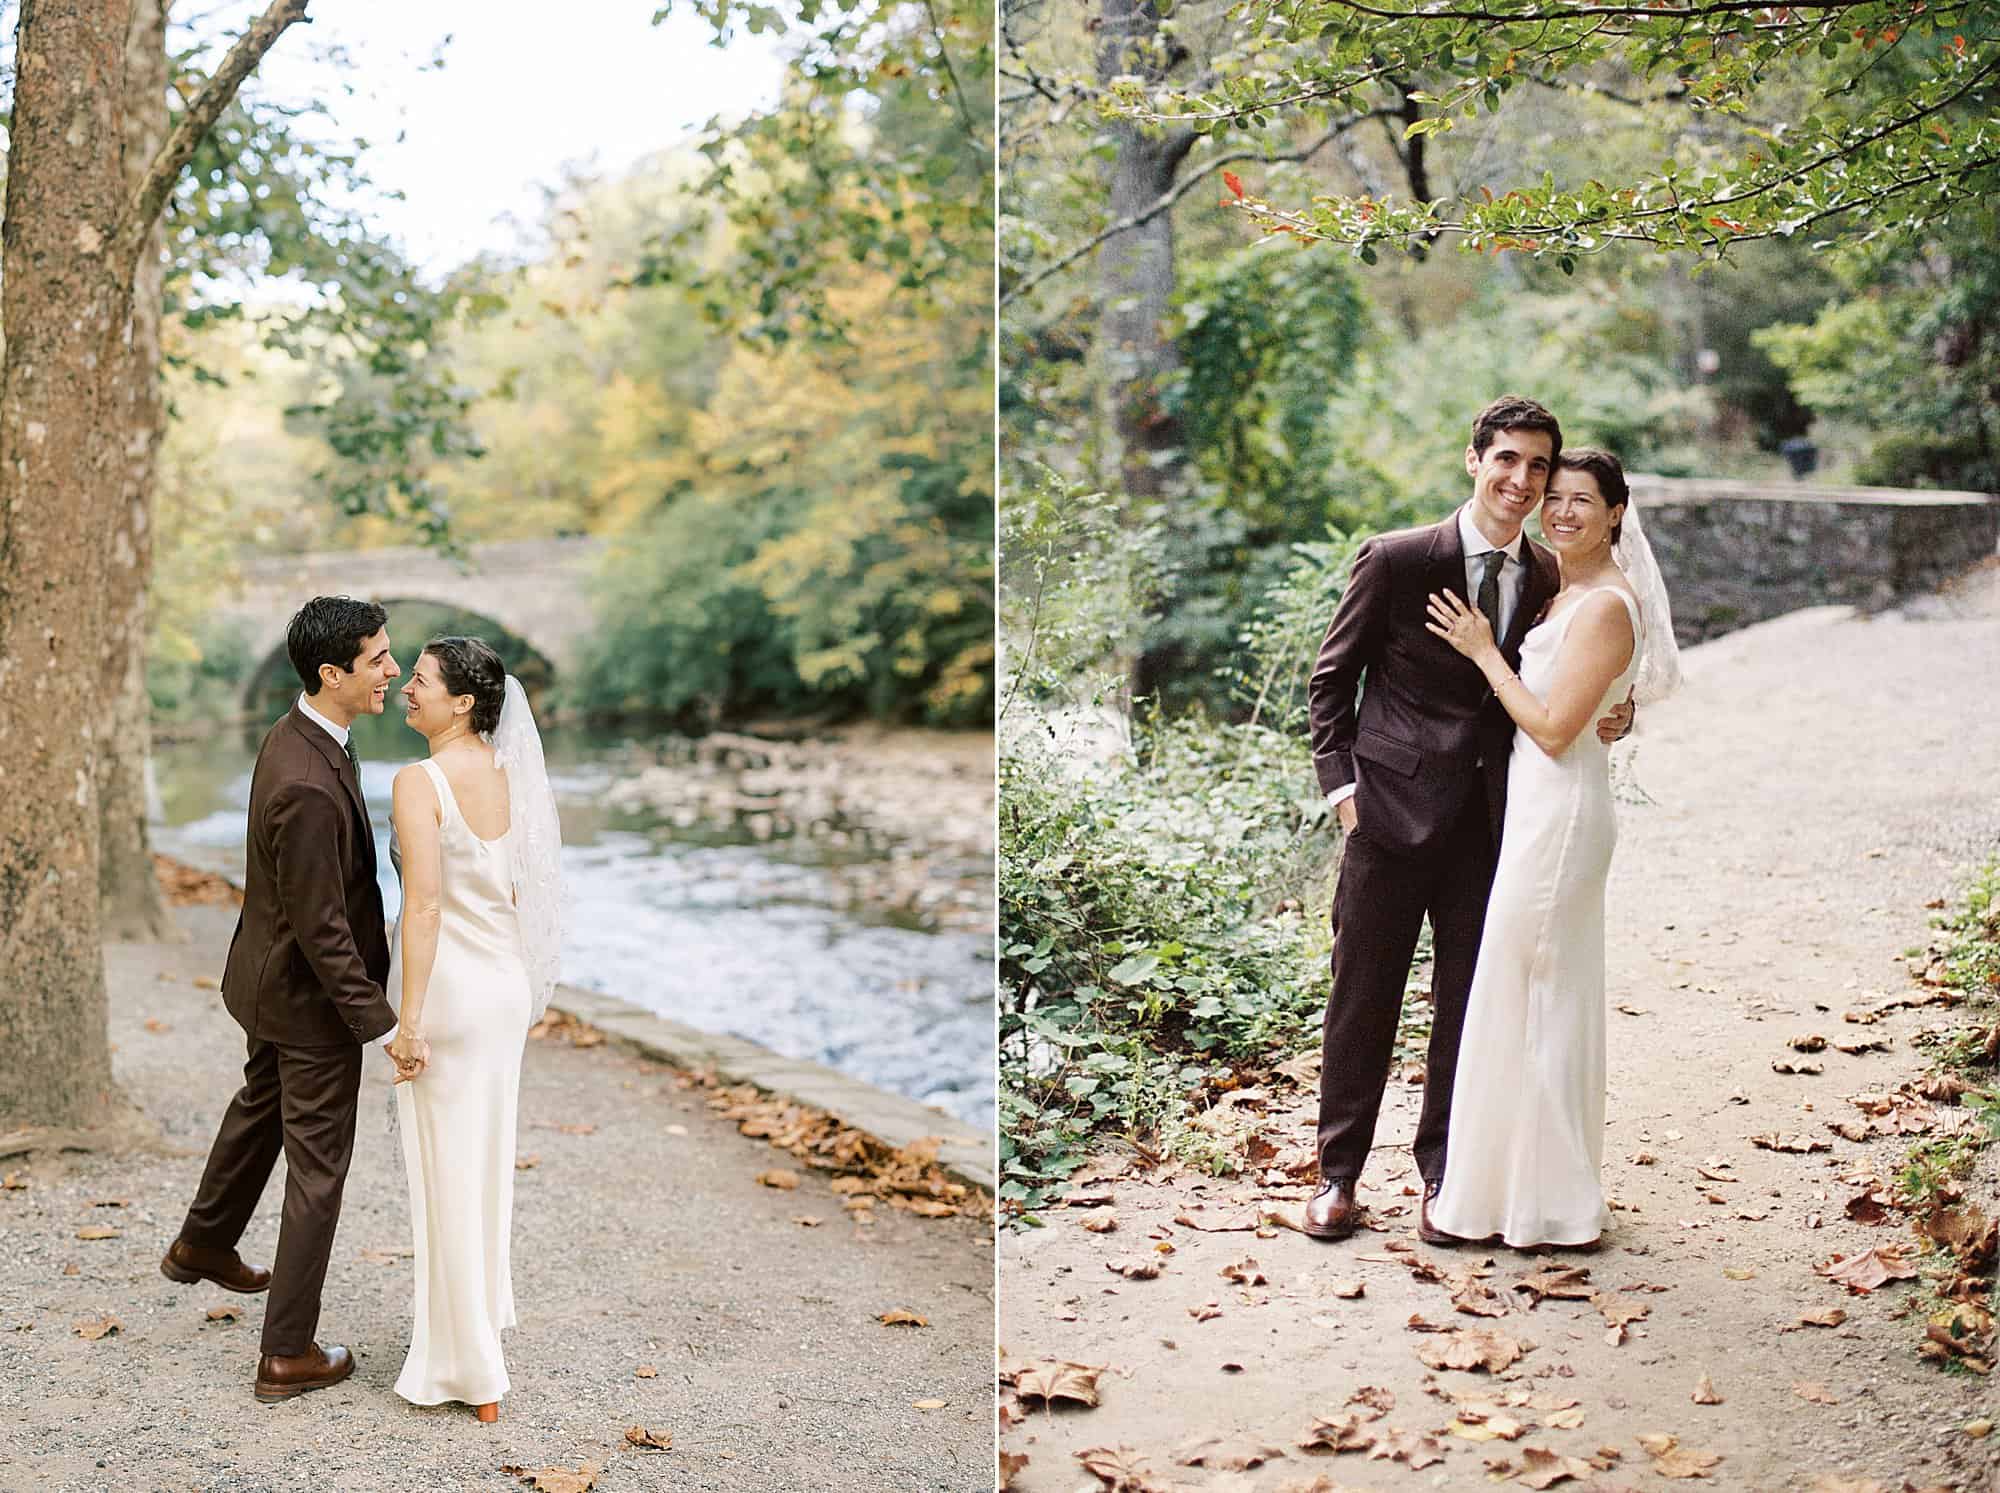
x=330, y=630
x=1515, y=412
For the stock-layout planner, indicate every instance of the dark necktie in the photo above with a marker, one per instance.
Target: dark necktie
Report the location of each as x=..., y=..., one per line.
x=1489, y=589
x=348, y=745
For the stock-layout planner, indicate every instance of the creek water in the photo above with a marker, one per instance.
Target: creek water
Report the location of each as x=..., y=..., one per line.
x=771, y=940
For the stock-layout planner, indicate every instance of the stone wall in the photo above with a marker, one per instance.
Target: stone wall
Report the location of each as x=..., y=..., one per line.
x=1734, y=553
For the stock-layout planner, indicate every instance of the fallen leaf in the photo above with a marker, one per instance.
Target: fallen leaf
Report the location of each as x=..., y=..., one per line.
x=383, y=1256
x=1739, y=1272
x=1415, y=1448
x=1244, y=1273
x=779, y=1177
x=527, y=1163
x=97, y=1231
x=658, y=1441
x=13, y=1182
x=1811, y=1042
x=1870, y=1269
x=805, y=1221
x=1137, y=1267
x=1818, y=1394
x=1541, y=1468
x=1101, y=1223
x=1618, y=1312
x=1671, y=1459
x=1119, y=1468
x=1704, y=1392
x=1374, y=1397
x=1796, y=1145
x=558, y=1479
x=1487, y=1428
x=1564, y=1282
x=1563, y=1420
x=1470, y=1348
x=222, y=1314
x=1223, y=1455
x=93, y=1328
x=1643, y=1158
x=1010, y=1464
x=1346, y=1290
x=1833, y=1316
x=1803, y=1069
x=1349, y=1431
x=1855, y=1046
x=898, y=1317
x=1050, y=1381
x=645, y=1371
x=1208, y=1311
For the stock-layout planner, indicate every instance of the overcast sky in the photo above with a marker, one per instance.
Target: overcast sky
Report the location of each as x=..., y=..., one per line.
x=525, y=88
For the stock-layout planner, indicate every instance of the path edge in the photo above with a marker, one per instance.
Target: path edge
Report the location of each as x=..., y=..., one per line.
x=964, y=1154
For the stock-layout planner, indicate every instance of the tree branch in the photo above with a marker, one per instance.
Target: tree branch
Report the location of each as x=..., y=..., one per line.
x=1180, y=190
x=149, y=198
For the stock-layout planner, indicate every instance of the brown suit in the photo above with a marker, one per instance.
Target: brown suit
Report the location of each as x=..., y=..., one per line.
x=304, y=980
x=1427, y=749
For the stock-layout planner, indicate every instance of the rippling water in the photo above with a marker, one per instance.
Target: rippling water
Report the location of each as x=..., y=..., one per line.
x=707, y=925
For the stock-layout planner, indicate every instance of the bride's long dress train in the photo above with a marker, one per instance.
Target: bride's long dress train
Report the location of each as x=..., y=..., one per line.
x=1527, y=1112
x=458, y=1122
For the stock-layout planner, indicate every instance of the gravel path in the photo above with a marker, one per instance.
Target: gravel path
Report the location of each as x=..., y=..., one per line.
x=644, y=1243
x=1820, y=779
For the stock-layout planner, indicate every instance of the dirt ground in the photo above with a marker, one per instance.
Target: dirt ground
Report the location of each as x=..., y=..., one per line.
x=1819, y=780
x=642, y=1242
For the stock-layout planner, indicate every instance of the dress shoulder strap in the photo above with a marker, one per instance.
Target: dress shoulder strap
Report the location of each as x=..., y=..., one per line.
x=447, y=800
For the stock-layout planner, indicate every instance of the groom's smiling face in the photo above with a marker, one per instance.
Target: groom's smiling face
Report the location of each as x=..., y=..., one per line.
x=1508, y=479
x=364, y=686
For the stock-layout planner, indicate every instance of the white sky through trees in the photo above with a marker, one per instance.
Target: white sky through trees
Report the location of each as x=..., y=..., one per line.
x=525, y=90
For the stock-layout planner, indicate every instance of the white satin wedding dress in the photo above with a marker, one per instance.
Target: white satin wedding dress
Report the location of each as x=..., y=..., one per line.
x=1527, y=1109
x=458, y=1120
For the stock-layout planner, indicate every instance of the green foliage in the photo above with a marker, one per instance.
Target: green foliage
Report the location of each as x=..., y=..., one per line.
x=1912, y=356
x=1897, y=131
x=1154, y=922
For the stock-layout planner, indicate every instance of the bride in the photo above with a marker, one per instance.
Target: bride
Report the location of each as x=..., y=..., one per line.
x=475, y=838
x=1527, y=1116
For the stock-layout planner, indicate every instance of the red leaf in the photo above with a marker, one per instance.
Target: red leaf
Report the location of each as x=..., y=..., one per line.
x=1235, y=183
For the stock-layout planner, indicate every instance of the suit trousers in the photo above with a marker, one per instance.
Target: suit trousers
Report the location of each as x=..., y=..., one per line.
x=302, y=1101
x=1379, y=908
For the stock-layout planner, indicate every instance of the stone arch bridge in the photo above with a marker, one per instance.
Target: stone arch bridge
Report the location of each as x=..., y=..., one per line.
x=540, y=590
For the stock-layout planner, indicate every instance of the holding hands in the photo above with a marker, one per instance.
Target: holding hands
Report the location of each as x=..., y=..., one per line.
x=410, y=1053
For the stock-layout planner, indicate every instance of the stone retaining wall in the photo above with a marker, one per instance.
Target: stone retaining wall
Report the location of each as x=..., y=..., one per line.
x=1734, y=553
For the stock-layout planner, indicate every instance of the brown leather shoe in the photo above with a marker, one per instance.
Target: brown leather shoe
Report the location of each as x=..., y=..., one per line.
x=280, y=1377
x=1333, y=1212
x=188, y=1263
x=1427, y=1231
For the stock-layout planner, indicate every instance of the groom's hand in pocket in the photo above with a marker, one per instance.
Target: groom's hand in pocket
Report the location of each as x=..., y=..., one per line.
x=1617, y=725
x=1344, y=811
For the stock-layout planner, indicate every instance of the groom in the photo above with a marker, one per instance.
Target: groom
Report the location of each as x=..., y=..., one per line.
x=304, y=980
x=1417, y=773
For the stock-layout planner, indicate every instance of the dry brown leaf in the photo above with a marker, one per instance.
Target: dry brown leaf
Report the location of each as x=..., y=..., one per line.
x=1796, y=1145
x=97, y=1231
x=1418, y=1449
x=1470, y=1348
x=1244, y=1273
x=1374, y=1397
x=1565, y=1283
x=1050, y=1380
x=1962, y=1333
x=1870, y=1269
x=1487, y=1428
x=1806, y=1070
x=1704, y=1392
x=1618, y=1312
x=655, y=1440
x=222, y=1314
x=805, y=1221
x=527, y=1163
x=93, y=1328
x=1672, y=1460
x=1011, y=1464
x=1811, y=1042
x=1833, y=1316
x=1349, y=1431
x=1221, y=1454
x=1134, y=1267
x=1564, y=1420
x=559, y=1479
x=1541, y=1468
x=782, y=1178
x=1119, y=1468
x=645, y=1371
x=1345, y=1289
x=1101, y=1223
x=900, y=1317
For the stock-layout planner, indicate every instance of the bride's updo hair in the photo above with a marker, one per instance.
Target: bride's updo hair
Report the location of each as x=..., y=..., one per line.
x=1610, y=475
x=469, y=667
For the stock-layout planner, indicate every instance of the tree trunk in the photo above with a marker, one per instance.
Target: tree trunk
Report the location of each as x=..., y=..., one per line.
x=133, y=906
x=72, y=239
x=64, y=309
x=1136, y=269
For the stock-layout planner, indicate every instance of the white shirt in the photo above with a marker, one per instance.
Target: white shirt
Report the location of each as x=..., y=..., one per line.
x=1513, y=576
x=339, y=734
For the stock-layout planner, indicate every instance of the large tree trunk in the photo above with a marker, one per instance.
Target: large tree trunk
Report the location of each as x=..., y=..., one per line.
x=74, y=233
x=1136, y=269
x=133, y=906
x=64, y=308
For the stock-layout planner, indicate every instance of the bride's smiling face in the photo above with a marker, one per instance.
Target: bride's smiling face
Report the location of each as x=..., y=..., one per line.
x=429, y=706
x=1575, y=517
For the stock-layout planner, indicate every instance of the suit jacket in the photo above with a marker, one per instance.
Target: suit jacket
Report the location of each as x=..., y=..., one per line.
x=310, y=953
x=1427, y=731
